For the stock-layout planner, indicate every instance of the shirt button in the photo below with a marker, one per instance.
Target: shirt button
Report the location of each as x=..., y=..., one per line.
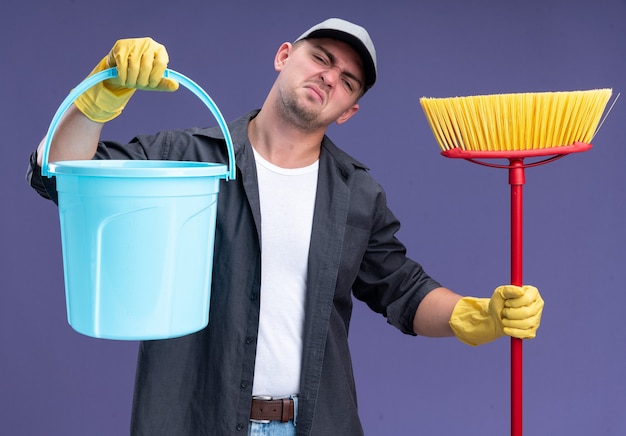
x=253, y=297
x=244, y=384
x=239, y=427
x=249, y=340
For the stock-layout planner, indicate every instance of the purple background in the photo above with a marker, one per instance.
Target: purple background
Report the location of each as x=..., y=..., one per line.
x=456, y=215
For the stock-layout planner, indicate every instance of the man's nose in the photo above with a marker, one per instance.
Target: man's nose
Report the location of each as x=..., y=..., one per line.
x=330, y=75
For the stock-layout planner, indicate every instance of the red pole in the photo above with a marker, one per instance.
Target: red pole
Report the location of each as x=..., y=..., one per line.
x=516, y=180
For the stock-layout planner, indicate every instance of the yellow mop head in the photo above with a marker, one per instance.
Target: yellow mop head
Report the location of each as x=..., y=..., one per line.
x=512, y=122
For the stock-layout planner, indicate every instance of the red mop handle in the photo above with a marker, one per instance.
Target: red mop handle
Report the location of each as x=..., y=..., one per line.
x=516, y=180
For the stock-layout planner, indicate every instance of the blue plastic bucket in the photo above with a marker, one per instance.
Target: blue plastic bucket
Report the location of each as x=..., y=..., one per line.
x=137, y=236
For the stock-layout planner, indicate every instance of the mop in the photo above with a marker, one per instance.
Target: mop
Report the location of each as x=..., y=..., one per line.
x=542, y=127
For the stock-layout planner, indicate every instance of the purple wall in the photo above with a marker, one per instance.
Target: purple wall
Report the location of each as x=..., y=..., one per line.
x=55, y=381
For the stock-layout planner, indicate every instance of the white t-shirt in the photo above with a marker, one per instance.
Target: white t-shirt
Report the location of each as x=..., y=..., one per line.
x=287, y=198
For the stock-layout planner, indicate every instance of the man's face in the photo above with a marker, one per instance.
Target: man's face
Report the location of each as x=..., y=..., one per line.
x=320, y=82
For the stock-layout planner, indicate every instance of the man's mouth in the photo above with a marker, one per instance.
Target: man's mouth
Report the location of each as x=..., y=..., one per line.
x=317, y=92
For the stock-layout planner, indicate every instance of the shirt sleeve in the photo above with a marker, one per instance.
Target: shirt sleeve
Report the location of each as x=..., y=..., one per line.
x=388, y=281
x=44, y=186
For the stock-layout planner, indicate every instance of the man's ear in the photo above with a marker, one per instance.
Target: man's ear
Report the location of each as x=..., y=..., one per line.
x=281, y=55
x=347, y=114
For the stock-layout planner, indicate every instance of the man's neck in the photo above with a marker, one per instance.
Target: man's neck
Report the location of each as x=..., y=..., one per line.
x=281, y=144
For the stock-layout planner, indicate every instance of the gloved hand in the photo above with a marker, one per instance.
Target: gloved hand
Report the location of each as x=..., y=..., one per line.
x=511, y=310
x=140, y=64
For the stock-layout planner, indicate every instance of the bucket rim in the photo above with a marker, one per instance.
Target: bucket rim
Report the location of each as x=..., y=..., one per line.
x=49, y=169
x=138, y=168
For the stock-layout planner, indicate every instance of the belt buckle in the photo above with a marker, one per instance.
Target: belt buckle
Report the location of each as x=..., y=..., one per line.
x=262, y=398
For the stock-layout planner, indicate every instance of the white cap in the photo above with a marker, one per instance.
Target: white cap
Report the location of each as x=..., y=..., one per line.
x=352, y=34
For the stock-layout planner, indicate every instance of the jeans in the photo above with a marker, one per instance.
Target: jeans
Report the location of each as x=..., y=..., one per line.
x=276, y=428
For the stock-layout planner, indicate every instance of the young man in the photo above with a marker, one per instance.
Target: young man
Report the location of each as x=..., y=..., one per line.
x=302, y=229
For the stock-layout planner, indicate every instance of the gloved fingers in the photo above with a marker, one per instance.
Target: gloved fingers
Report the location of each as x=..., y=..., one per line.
x=533, y=309
x=152, y=65
x=168, y=85
x=141, y=58
x=521, y=314
x=528, y=305
x=117, y=58
x=518, y=310
x=140, y=64
x=529, y=296
x=522, y=322
x=520, y=333
x=509, y=291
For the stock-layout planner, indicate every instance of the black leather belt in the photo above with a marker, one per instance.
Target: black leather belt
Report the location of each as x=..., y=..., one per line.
x=269, y=409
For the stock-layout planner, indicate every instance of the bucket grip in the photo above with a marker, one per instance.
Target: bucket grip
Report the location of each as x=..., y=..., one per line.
x=112, y=73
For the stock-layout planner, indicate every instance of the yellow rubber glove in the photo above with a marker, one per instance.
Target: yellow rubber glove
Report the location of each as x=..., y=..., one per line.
x=140, y=64
x=512, y=310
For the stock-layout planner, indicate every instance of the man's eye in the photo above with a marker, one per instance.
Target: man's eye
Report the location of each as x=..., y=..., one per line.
x=320, y=59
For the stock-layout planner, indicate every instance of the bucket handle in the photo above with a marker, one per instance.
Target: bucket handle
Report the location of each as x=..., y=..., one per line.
x=112, y=73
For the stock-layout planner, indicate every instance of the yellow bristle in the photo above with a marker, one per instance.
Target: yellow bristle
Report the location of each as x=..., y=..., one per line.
x=509, y=122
